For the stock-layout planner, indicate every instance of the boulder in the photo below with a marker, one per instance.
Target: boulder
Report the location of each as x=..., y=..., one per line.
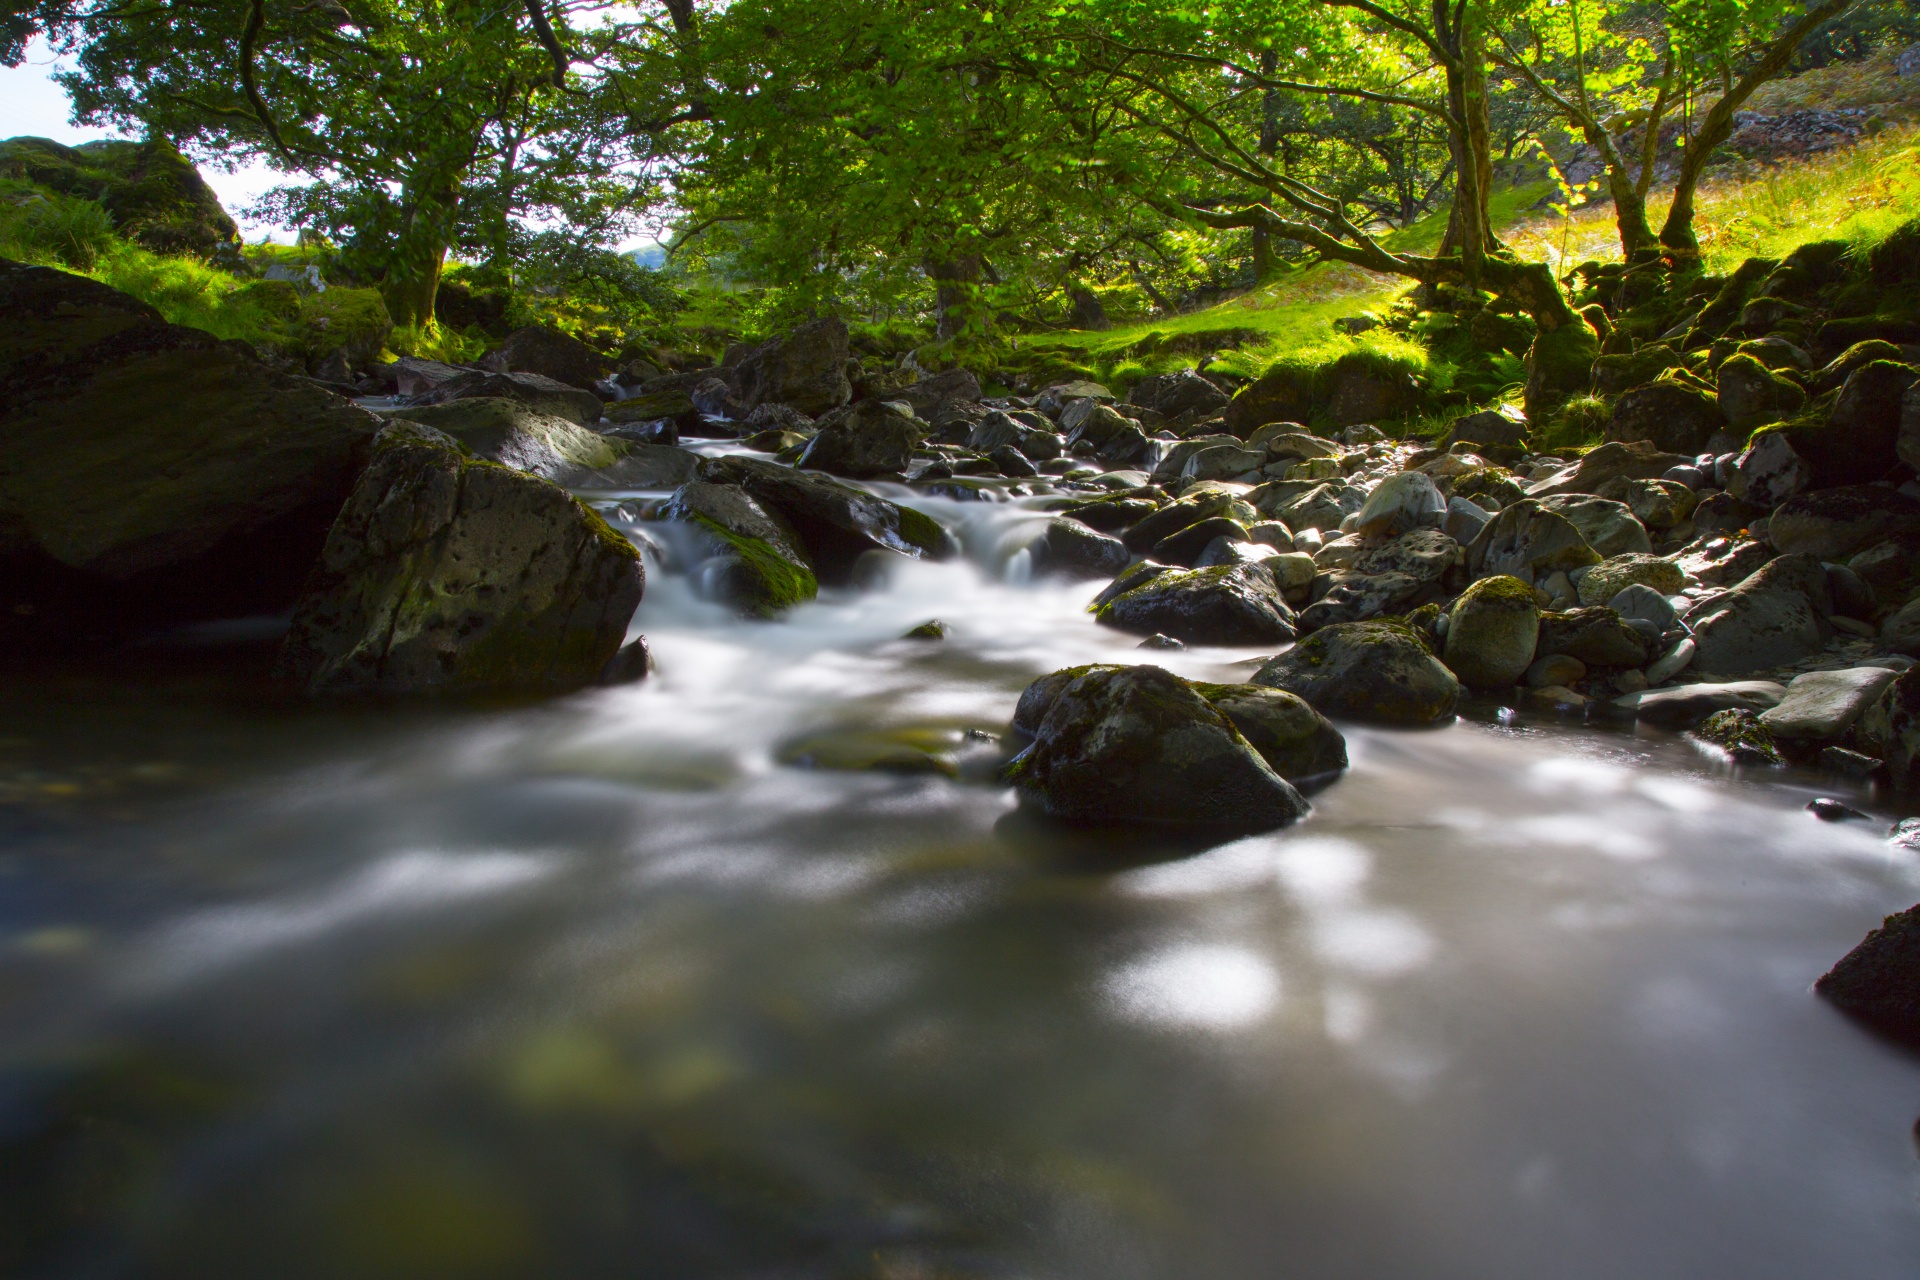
x=1361, y=392
x=1689, y=704
x=1072, y=550
x=806, y=370
x=1187, y=545
x=537, y=392
x=1766, y=621
x=1528, y=542
x=1860, y=442
x=936, y=388
x=153, y=194
x=1719, y=513
x=1637, y=460
x=538, y=349
x=1297, y=742
x=1375, y=671
x=1878, y=982
x=1489, y=427
x=1901, y=631
x=1184, y=391
x=1559, y=364
x=1656, y=504
x=1138, y=746
x=1832, y=524
x=1909, y=441
x=1609, y=527
x=443, y=574
x=1768, y=471
x=1749, y=393
x=1283, y=394
x=1669, y=415
x=836, y=523
x=510, y=433
x=1739, y=733
x=1491, y=633
x=1403, y=501
x=1322, y=506
x=1891, y=726
x=1038, y=697
x=1223, y=462
x=874, y=439
x=1596, y=636
x=998, y=430
x=152, y=473
x=1226, y=605
x=1821, y=705
x=413, y=376
x=1184, y=512
x=1600, y=584
x=756, y=562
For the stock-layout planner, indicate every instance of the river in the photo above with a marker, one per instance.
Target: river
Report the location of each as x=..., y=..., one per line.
x=633, y=983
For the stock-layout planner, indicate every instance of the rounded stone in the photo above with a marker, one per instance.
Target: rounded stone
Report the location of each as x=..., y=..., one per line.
x=1491, y=633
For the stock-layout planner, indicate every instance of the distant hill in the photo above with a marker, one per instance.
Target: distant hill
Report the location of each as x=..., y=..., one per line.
x=653, y=255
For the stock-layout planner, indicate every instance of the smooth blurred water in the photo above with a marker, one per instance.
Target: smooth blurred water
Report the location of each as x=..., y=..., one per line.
x=618, y=985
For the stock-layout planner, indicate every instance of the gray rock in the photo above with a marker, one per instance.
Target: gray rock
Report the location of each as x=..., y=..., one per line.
x=1183, y=513
x=1403, y=501
x=806, y=370
x=998, y=430
x=1490, y=426
x=1221, y=462
x=541, y=394
x=1673, y=661
x=1137, y=746
x=442, y=574
x=1824, y=704
x=1689, y=704
x=1901, y=631
x=1609, y=527
x=1375, y=671
x=836, y=523
x=1834, y=523
x=1229, y=605
x=549, y=354
x=1768, y=471
x=1355, y=597
x=1464, y=519
x=412, y=375
x=1297, y=742
x=1752, y=630
x=1601, y=583
x=1641, y=603
x=1528, y=542
x=518, y=436
x=1070, y=549
x=874, y=439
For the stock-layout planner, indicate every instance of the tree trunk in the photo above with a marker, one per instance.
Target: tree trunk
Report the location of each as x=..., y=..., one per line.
x=1088, y=313
x=1470, y=139
x=1677, y=235
x=412, y=281
x=956, y=293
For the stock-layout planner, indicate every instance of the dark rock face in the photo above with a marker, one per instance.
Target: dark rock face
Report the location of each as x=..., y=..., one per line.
x=1137, y=746
x=1636, y=460
x=1227, y=605
x=1878, y=982
x=1282, y=394
x=1750, y=393
x=1596, y=635
x=807, y=369
x=550, y=354
x=1489, y=427
x=1172, y=394
x=536, y=391
x=835, y=522
x=1375, y=671
x=1670, y=416
x=447, y=575
x=1071, y=549
x=936, y=389
x=875, y=439
x=151, y=473
x=1834, y=523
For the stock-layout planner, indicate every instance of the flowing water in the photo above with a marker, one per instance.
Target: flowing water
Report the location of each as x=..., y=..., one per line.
x=636, y=983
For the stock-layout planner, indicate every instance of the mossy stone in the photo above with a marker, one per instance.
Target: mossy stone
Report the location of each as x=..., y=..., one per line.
x=1492, y=630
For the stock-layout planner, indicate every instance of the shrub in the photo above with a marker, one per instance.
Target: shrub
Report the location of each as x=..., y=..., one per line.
x=53, y=228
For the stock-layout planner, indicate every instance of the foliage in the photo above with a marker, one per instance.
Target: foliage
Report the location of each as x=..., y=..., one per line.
x=56, y=229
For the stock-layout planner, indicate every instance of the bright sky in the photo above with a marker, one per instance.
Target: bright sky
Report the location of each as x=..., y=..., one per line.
x=31, y=103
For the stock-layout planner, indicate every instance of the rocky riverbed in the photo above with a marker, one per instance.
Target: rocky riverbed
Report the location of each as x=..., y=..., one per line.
x=778, y=792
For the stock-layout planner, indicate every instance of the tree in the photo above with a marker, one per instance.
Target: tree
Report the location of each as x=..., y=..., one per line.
x=421, y=123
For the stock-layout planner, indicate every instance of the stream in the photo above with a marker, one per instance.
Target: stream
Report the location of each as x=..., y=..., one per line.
x=639, y=983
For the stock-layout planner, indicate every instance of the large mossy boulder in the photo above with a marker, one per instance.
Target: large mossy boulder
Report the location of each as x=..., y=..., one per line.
x=150, y=473
x=1833, y=524
x=836, y=523
x=1284, y=393
x=1235, y=604
x=1749, y=393
x=1377, y=671
x=1559, y=365
x=1491, y=633
x=1139, y=747
x=755, y=560
x=154, y=195
x=1672, y=416
x=1878, y=982
x=806, y=370
x=445, y=574
x=1611, y=576
x=354, y=322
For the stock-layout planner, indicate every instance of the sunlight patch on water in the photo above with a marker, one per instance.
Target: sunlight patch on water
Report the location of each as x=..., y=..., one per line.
x=404, y=883
x=1209, y=987
x=1378, y=944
